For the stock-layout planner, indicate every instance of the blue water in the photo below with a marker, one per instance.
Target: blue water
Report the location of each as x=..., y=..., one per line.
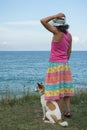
x=21, y=70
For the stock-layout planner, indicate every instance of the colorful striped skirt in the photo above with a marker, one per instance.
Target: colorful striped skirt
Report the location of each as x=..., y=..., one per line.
x=58, y=82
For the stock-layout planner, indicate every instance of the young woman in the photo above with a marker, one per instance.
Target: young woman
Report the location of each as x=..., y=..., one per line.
x=59, y=77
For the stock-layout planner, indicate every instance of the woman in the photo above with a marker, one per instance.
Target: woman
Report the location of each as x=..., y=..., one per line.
x=59, y=77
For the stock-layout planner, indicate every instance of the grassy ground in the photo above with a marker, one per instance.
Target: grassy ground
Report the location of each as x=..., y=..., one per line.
x=26, y=114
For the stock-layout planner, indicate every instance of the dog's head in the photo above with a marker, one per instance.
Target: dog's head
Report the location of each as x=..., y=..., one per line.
x=39, y=88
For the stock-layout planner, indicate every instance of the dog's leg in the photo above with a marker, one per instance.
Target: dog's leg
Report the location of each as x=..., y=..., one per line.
x=48, y=115
x=44, y=112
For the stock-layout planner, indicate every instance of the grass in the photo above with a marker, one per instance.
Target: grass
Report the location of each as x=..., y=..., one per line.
x=25, y=113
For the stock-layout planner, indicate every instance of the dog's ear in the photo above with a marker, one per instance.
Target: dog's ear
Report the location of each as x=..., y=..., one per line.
x=38, y=84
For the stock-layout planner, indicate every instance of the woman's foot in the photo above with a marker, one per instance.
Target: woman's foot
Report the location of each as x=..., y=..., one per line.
x=67, y=114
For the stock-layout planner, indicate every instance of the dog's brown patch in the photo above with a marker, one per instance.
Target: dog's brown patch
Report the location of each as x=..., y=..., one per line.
x=50, y=105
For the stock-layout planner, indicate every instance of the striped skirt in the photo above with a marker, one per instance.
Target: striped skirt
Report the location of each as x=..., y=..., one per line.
x=58, y=82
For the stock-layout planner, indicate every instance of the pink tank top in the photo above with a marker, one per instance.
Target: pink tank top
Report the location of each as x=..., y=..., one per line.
x=59, y=49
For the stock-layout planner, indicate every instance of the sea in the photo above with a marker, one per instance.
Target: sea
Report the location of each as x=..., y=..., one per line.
x=20, y=71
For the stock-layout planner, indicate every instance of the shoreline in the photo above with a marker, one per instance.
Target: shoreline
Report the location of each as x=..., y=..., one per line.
x=19, y=93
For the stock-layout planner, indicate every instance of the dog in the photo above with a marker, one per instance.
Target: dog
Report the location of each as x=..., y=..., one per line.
x=50, y=109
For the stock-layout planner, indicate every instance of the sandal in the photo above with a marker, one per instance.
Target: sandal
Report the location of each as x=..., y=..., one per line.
x=67, y=114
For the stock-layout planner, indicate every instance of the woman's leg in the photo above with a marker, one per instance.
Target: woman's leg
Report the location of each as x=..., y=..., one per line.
x=67, y=103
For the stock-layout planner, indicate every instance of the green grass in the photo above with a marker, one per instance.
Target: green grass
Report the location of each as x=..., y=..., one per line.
x=26, y=114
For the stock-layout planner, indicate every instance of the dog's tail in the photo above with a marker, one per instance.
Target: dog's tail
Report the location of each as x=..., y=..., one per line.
x=62, y=123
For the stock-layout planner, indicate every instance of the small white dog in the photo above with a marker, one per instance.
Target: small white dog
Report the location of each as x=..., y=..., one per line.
x=51, y=109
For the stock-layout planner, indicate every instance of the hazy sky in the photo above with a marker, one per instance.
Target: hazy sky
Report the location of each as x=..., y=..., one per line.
x=20, y=27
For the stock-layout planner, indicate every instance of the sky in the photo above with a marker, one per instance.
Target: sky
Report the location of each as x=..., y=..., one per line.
x=21, y=30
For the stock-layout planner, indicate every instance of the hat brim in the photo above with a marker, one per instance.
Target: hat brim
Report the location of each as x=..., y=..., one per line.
x=58, y=22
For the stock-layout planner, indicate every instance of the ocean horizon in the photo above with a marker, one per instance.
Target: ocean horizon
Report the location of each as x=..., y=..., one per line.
x=20, y=71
